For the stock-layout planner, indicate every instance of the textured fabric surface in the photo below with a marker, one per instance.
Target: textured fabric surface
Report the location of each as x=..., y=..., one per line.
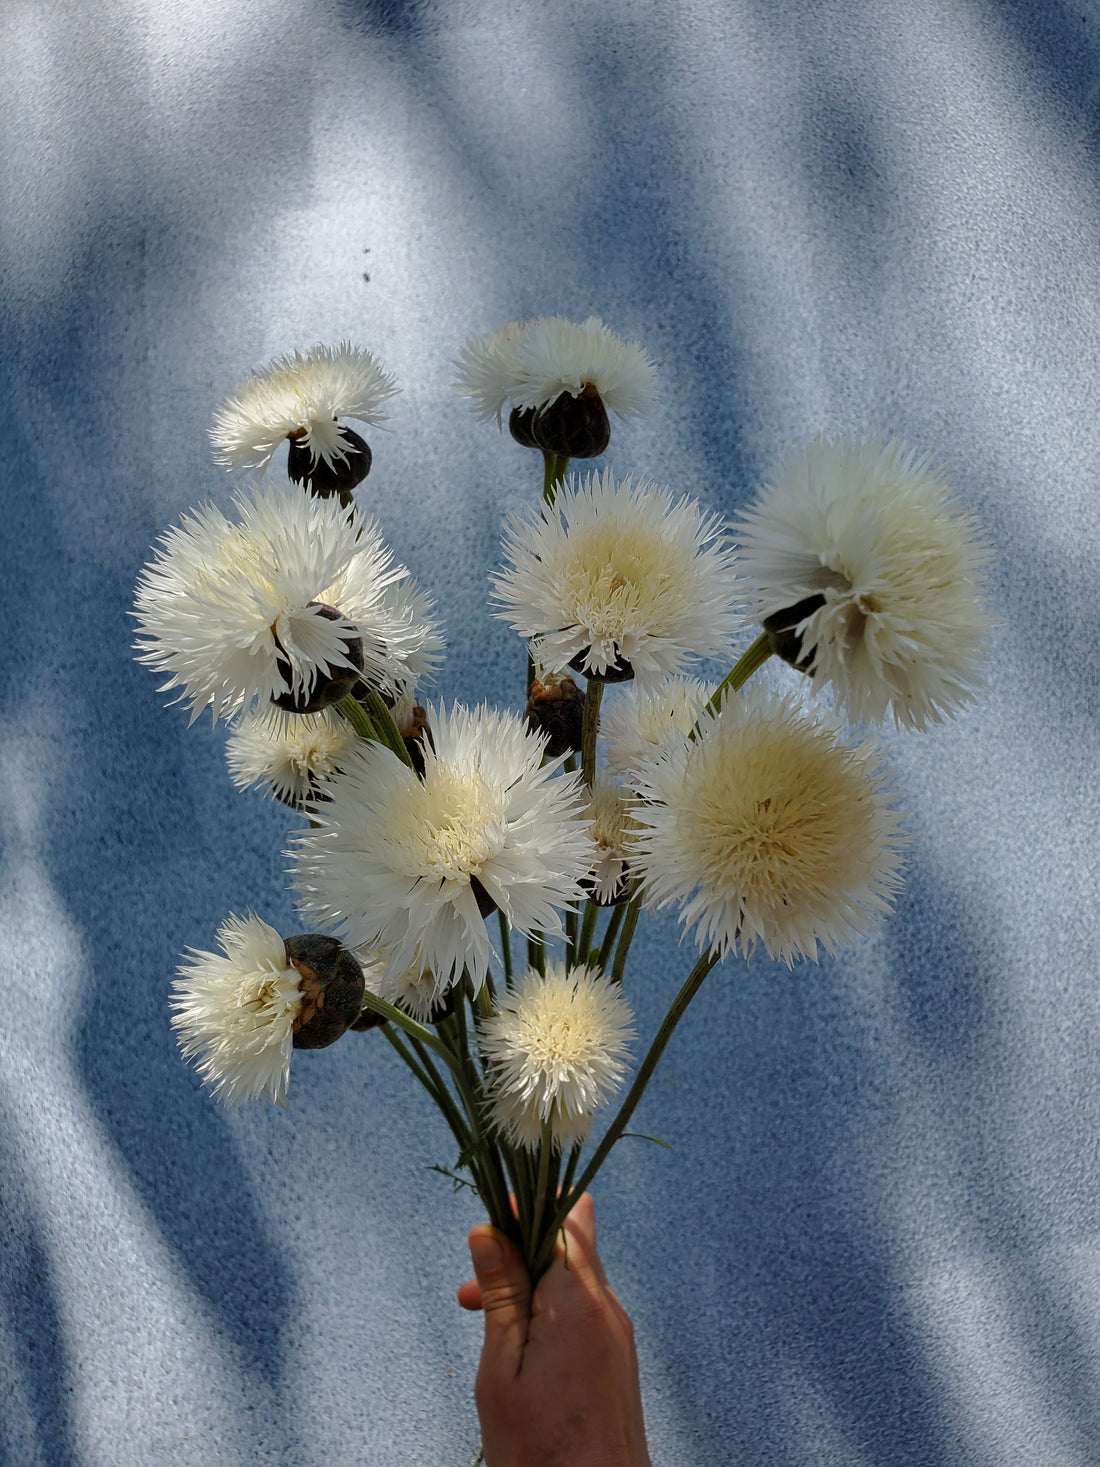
x=877, y=1238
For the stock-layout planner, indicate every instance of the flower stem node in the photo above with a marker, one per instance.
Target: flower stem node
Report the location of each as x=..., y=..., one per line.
x=332, y=989
x=573, y=426
x=347, y=465
x=328, y=686
x=784, y=636
x=555, y=708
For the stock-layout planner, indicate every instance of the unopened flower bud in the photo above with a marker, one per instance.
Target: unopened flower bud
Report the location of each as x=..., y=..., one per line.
x=328, y=687
x=337, y=473
x=574, y=427
x=556, y=709
x=331, y=986
x=785, y=640
x=519, y=425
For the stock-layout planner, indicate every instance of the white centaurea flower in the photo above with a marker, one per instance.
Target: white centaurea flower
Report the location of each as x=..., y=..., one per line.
x=413, y=864
x=640, y=723
x=302, y=397
x=235, y=1012
x=557, y=1045
x=768, y=827
x=265, y=609
x=415, y=989
x=531, y=363
x=561, y=378
x=867, y=574
x=619, y=579
x=292, y=754
x=613, y=830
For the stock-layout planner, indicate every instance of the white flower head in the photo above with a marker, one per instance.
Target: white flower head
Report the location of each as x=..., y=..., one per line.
x=639, y=724
x=532, y=363
x=558, y=1046
x=243, y=613
x=412, y=863
x=414, y=989
x=304, y=396
x=290, y=754
x=619, y=573
x=613, y=829
x=874, y=577
x=235, y=1012
x=768, y=827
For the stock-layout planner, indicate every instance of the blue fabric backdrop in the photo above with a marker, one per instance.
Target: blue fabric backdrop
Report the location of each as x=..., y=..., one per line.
x=877, y=1239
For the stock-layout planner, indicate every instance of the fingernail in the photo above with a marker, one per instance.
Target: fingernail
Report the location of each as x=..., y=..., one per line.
x=486, y=1252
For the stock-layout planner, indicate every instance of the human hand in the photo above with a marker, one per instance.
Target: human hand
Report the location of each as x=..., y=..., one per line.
x=558, y=1379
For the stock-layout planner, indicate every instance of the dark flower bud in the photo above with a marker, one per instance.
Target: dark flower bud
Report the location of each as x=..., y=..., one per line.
x=368, y=1019
x=328, y=687
x=785, y=641
x=485, y=904
x=619, y=671
x=573, y=427
x=519, y=425
x=332, y=989
x=414, y=730
x=556, y=709
x=325, y=477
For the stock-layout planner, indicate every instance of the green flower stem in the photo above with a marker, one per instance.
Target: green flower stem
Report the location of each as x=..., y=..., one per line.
x=546, y=1145
x=692, y=983
x=614, y=922
x=590, y=727
x=571, y=1168
x=748, y=663
x=388, y=732
x=453, y=1034
x=570, y=930
x=414, y=1030
x=554, y=466
x=356, y=715
x=588, y=932
x=633, y=912
x=505, y=947
x=536, y=952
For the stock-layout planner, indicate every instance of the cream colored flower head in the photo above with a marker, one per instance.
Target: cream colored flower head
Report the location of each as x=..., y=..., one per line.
x=639, y=724
x=557, y=1046
x=291, y=755
x=413, y=864
x=619, y=573
x=769, y=828
x=240, y=613
x=531, y=363
x=303, y=395
x=235, y=1012
x=857, y=557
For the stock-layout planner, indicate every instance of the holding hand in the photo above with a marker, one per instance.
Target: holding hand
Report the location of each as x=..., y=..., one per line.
x=558, y=1379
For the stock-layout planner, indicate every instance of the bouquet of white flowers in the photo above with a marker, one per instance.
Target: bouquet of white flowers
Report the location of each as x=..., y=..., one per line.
x=479, y=875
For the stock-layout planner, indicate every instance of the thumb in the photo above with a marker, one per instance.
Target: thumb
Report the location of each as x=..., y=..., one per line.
x=505, y=1299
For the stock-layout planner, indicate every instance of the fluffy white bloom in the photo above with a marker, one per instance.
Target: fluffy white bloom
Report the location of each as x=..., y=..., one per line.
x=613, y=573
x=292, y=754
x=224, y=604
x=639, y=724
x=302, y=395
x=613, y=829
x=885, y=571
x=235, y=1011
x=413, y=639
x=404, y=862
x=415, y=988
x=767, y=827
x=558, y=1047
x=531, y=363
